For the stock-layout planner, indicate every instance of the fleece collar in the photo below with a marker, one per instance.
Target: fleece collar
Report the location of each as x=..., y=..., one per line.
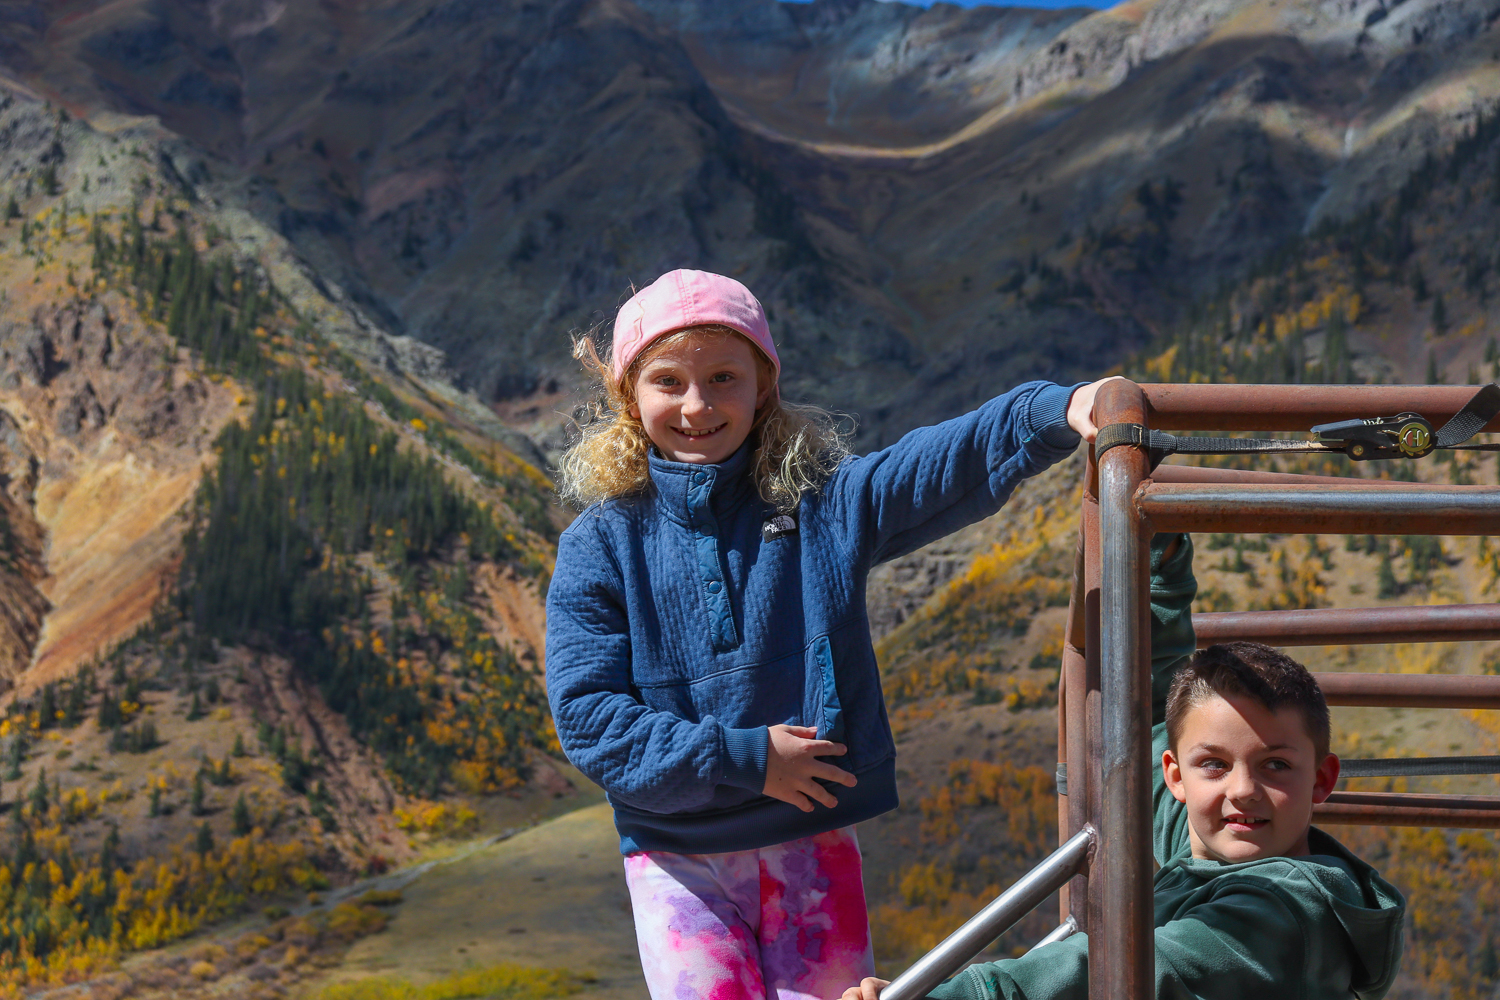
x=685, y=489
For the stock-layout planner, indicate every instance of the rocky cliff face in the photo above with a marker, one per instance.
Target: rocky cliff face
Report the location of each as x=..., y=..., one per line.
x=863, y=74
x=934, y=203
x=22, y=604
x=117, y=432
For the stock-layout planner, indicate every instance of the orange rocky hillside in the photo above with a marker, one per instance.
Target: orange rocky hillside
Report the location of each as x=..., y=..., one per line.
x=116, y=427
x=106, y=423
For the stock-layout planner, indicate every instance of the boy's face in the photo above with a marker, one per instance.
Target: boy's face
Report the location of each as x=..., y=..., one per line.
x=1249, y=778
x=697, y=397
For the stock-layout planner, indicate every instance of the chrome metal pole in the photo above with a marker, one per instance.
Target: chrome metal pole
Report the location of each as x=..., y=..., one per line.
x=1066, y=929
x=962, y=945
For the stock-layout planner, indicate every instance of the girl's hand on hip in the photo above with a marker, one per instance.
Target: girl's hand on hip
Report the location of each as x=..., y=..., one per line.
x=1081, y=409
x=792, y=764
x=868, y=989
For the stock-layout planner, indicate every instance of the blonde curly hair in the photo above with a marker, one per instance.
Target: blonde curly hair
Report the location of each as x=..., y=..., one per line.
x=797, y=447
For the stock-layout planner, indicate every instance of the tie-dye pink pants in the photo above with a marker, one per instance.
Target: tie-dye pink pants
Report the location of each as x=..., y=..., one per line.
x=782, y=923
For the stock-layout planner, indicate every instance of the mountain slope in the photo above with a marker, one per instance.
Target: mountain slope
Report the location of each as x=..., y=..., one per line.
x=271, y=584
x=932, y=203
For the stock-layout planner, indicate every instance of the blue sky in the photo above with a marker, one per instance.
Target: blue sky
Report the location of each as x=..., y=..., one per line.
x=1047, y=4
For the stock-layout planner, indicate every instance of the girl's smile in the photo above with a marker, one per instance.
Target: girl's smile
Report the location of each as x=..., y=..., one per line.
x=689, y=433
x=697, y=397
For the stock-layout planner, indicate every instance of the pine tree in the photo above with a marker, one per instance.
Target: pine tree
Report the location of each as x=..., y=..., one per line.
x=110, y=716
x=12, y=210
x=39, y=793
x=17, y=757
x=1439, y=314
x=155, y=809
x=1433, y=376
x=109, y=851
x=241, y=816
x=239, y=745
x=205, y=841
x=195, y=712
x=1388, y=587
x=48, y=710
x=1419, y=285
x=197, y=799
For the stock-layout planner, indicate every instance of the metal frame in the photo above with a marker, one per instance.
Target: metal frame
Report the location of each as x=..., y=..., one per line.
x=1124, y=503
x=1104, y=692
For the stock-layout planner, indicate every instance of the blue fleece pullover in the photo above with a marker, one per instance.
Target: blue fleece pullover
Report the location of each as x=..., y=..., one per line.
x=682, y=623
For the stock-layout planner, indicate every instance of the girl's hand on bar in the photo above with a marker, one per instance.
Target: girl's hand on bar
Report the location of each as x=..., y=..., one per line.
x=792, y=764
x=1081, y=409
x=868, y=989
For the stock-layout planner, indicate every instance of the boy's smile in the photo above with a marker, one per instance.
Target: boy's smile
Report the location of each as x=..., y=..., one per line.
x=697, y=397
x=1249, y=778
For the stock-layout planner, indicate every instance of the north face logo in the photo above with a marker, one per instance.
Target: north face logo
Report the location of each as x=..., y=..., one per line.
x=776, y=527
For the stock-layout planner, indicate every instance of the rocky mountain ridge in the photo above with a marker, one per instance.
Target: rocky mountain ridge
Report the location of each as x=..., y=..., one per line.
x=933, y=203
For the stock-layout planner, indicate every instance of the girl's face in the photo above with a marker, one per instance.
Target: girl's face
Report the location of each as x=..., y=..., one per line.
x=697, y=397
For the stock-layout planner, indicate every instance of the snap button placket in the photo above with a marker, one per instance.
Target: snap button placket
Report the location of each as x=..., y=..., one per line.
x=704, y=526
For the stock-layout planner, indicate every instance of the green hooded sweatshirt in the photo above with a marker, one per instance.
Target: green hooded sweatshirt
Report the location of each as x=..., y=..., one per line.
x=1321, y=926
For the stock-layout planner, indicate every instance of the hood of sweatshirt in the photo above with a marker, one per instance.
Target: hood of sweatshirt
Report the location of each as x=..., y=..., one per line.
x=1338, y=892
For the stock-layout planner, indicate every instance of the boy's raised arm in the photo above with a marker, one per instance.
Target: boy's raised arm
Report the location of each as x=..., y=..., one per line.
x=1173, y=588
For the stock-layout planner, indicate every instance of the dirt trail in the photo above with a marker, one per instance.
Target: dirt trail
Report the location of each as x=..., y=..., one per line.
x=553, y=896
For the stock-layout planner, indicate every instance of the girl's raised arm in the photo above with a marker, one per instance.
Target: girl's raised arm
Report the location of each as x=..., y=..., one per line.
x=937, y=479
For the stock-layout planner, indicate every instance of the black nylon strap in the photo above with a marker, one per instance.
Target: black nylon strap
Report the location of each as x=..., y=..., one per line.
x=1117, y=434
x=1236, y=446
x=1403, y=767
x=1159, y=444
x=1469, y=421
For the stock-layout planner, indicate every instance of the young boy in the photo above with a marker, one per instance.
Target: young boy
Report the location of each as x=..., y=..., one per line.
x=1251, y=900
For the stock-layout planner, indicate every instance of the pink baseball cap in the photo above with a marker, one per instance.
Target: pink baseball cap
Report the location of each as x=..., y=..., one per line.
x=688, y=298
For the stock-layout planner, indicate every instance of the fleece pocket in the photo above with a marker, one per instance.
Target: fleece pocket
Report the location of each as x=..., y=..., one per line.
x=831, y=715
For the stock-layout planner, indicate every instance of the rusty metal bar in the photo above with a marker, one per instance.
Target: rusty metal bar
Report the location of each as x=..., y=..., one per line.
x=1295, y=407
x=1352, y=626
x=1475, y=812
x=1071, y=721
x=1085, y=895
x=1254, y=477
x=960, y=947
x=1411, y=690
x=1434, y=510
x=1124, y=865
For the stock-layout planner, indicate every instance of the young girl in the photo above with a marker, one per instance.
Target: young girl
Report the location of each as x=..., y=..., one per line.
x=708, y=655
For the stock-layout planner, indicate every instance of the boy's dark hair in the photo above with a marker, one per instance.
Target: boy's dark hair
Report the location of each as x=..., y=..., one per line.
x=1253, y=670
